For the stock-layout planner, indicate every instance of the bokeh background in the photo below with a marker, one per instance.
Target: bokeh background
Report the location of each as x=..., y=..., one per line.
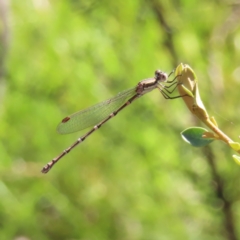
x=135, y=178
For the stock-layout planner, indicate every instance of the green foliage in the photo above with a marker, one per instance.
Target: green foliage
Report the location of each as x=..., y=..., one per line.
x=194, y=137
x=134, y=178
x=237, y=159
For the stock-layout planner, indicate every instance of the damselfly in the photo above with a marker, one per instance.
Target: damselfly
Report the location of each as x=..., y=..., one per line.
x=99, y=114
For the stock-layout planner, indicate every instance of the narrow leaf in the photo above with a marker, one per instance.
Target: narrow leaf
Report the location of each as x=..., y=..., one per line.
x=235, y=146
x=236, y=159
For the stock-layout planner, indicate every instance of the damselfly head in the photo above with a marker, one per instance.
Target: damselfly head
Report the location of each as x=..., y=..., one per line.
x=160, y=76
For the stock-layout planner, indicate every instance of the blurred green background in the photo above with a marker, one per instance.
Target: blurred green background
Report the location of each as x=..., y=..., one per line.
x=134, y=178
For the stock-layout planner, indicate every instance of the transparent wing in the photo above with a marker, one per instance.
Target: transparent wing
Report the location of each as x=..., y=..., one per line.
x=91, y=116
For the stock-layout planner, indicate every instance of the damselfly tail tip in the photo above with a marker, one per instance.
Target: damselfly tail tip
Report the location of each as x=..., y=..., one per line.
x=45, y=169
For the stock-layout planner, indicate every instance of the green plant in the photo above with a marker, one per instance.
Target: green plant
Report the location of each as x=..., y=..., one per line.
x=187, y=84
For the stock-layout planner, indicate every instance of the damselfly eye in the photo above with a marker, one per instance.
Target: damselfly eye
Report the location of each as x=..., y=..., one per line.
x=158, y=72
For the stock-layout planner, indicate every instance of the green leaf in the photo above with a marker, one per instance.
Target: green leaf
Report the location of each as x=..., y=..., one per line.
x=194, y=137
x=235, y=146
x=188, y=92
x=236, y=159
